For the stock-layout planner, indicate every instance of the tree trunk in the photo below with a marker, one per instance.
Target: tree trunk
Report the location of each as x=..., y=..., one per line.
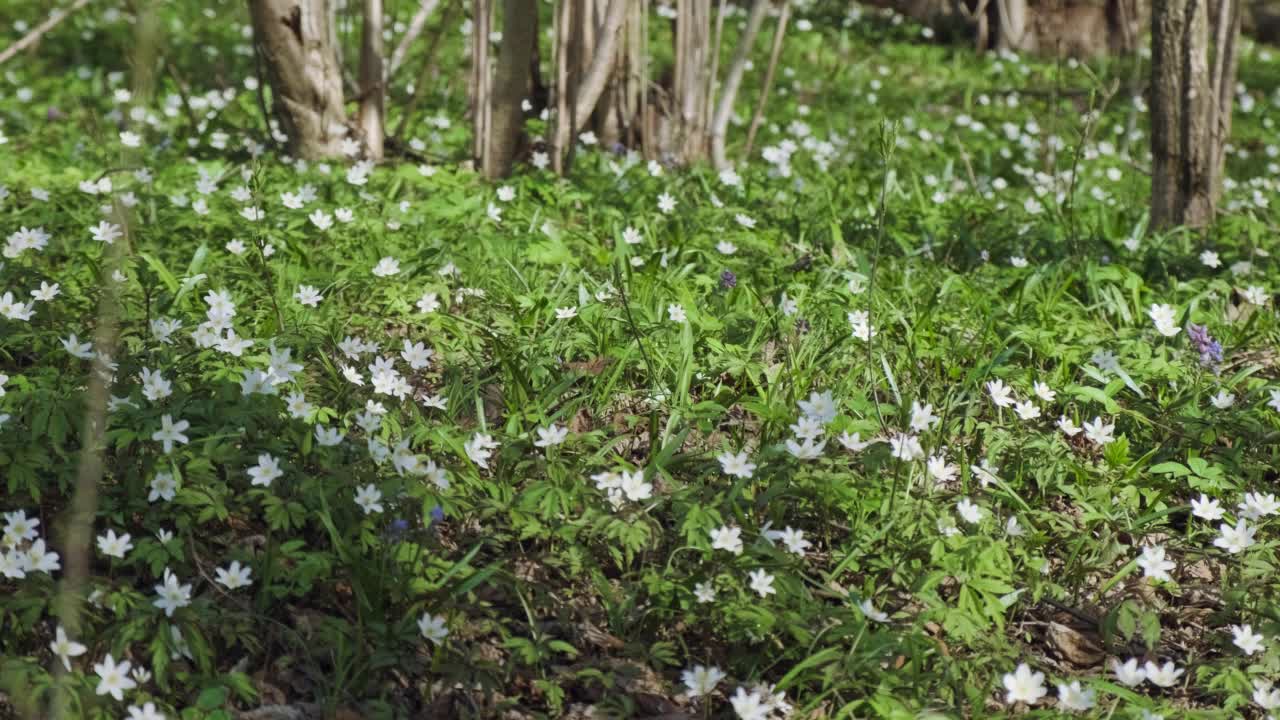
x=684, y=135
x=372, y=81
x=1126, y=20
x=588, y=55
x=602, y=62
x=510, y=85
x=733, y=80
x=481, y=81
x=295, y=41
x=630, y=86
x=1192, y=93
x=1013, y=29
x=774, y=54
x=1063, y=28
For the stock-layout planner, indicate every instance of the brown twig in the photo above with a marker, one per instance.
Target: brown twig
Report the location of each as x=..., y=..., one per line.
x=182, y=93
x=968, y=166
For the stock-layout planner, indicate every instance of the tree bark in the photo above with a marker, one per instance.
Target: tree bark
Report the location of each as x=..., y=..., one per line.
x=1013, y=30
x=481, y=81
x=588, y=56
x=685, y=133
x=510, y=85
x=631, y=82
x=602, y=62
x=1191, y=107
x=302, y=68
x=1227, y=32
x=372, y=81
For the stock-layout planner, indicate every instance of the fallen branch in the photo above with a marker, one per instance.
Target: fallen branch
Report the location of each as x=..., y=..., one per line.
x=30, y=39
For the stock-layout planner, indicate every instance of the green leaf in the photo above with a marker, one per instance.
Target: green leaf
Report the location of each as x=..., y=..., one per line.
x=212, y=698
x=162, y=272
x=1175, y=469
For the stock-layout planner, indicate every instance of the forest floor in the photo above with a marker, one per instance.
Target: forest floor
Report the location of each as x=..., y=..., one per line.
x=907, y=416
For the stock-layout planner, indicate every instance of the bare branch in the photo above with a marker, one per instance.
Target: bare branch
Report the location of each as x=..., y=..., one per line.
x=30, y=38
x=411, y=35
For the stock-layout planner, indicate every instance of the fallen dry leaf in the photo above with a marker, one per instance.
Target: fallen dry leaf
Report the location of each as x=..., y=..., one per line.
x=1074, y=646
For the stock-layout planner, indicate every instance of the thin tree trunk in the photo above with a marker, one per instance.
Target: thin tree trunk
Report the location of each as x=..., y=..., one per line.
x=1123, y=24
x=647, y=132
x=1191, y=108
x=510, y=85
x=563, y=129
x=1168, y=28
x=774, y=54
x=1224, y=86
x=480, y=80
x=306, y=83
x=587, y=49
x=685, y=135
x=334, y=41
x=733, y=80
x=717, y=36
x=631, y=83
x=372, y=87
x=1014, y=25
x=411, y=35
x=602, y=62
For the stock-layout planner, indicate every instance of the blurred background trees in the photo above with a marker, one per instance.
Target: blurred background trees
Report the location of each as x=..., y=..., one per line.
x=593, y=70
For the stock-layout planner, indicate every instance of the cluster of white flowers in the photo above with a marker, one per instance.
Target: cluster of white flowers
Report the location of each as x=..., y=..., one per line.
x=22, y=550
x=623, y=486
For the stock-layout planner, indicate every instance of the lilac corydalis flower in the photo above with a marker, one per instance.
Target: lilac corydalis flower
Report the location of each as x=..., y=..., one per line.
x=1210, y=350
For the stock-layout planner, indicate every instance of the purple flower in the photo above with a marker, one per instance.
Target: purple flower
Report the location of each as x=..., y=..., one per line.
x=1210, y=350
x=728, y=280
x=437, y=516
